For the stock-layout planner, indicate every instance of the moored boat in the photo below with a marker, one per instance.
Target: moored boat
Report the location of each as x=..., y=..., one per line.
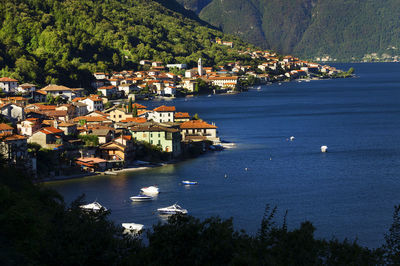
x=173, y=209
x=187, y=182
x=132, y=227
x=94, y=207
x=141, y=197
x=151, y=190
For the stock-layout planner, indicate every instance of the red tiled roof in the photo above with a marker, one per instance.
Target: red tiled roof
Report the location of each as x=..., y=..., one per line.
x=13, y=137
x=135, y=119
x=5, y=127
x=194, y=124
x=51, y=130
x=138, y=106
x=5, y=79
x=126, y=137
x=164, y=108
x=107, y=88
x=90, y=119
x=181, y=115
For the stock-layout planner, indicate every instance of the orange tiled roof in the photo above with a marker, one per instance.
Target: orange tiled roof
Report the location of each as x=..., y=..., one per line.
x=5, y=127
x=13, y=137
x=107, y=88
x=135, y=119
x=181, y=115
x=5, y=79
x=138, y=106
x=90, y=119
x=164, y=108
x=194, y=124
x=51, y=130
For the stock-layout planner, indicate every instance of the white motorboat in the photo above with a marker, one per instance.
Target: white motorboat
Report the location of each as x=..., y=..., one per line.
x=94, y=207
x=173, y=209
x=141, y=197
x=151, y=190
x=132, y=227
x=187, y=182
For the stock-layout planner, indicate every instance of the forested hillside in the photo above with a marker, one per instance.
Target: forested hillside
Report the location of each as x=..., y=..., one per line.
x=62, y=42
x=342, y=29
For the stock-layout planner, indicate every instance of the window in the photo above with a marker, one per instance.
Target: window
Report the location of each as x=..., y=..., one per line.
x=151, y=141
x=159, y=142
x=159, y=135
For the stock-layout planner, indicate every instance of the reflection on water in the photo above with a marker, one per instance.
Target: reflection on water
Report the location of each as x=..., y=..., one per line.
x=349, y=191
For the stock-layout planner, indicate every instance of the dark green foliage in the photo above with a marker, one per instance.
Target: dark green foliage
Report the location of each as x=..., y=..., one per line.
x=134, y=111
x=63, y=42
x=39, y=228
x=392, y=246
x=343, y=29
x=90, y=140
x=130, y=106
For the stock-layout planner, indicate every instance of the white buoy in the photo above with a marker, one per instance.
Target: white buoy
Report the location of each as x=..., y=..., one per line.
x=292, y=138
x=324, y=148
x=245, y=169
x=226, y=175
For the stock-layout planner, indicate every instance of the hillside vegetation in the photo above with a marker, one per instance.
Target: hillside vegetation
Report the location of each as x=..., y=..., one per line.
x=40, y=228
x=343, y=29
x=55, y=41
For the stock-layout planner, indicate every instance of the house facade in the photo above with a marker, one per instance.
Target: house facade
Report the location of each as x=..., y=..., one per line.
x=168, y=139
x=162, y=114
x=8, y=84
x=199, y=128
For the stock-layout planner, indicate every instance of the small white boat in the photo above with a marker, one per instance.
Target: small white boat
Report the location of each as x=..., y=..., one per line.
x=292, y=138
x=173, y=209
x=141, y=197
x=132, y=227
x=324, y=148
x=187, y=182
x=94, y=207
x=151, y=190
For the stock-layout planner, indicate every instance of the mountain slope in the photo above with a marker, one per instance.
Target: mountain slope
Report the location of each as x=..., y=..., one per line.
x=56, y=41
x=343, y=29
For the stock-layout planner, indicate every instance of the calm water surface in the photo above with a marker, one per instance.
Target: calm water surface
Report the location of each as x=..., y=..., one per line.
x=348, y=192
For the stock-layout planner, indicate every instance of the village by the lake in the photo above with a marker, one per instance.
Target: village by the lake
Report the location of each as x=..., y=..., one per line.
x=60, y=132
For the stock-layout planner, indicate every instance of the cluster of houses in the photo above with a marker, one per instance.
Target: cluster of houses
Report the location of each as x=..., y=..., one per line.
x=69, y=112
x=121, y=130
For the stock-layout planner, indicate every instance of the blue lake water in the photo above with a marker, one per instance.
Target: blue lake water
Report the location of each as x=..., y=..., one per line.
x=348, y=192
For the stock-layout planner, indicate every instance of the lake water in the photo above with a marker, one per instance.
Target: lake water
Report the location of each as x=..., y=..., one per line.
x=348, y=192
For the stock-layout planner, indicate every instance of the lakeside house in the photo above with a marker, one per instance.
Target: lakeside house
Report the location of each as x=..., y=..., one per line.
x=169, y=139
x=199, y=130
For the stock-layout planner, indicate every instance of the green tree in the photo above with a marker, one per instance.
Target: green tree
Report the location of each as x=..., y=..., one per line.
x=135, y=111
x=49, y=98
x=130, y=103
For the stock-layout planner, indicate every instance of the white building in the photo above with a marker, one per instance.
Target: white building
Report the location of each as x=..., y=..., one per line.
x=179, y=66
x=8, y=84
x=93, y=102
x=65, y=92
x=224, y=82
x=162, y=114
